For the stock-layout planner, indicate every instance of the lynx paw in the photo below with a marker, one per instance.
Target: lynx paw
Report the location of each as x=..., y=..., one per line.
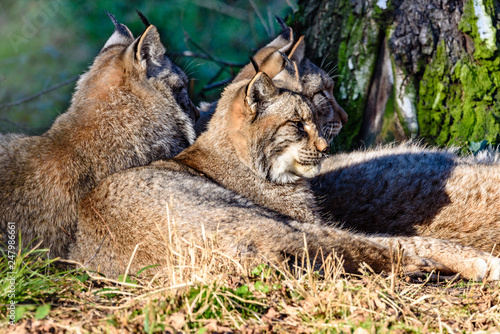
x=494, y=269
x=479, y=269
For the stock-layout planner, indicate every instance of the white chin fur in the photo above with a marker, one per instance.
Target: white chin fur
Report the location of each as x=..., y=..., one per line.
x=282, y=169
x=307, y=171
x=286, y=169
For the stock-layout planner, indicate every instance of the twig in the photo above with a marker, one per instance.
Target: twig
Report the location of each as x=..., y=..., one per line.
x=216, y=84
x=261, y=18
x=97, y=251
x=100, y=278
x=203, y=55
x=130, y=262
x=209, y=56
x=45, y=91
x=18, y=125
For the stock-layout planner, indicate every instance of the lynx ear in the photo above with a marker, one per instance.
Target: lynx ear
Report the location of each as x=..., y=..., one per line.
x=283, y=42
x=289, y=72
x=149, y=48
x=259, y=90
x=273, y=64
x=298, y=51
x=121, y=35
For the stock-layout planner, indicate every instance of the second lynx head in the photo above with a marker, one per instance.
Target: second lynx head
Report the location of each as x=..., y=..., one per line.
x=273, y=130
x=283, y=60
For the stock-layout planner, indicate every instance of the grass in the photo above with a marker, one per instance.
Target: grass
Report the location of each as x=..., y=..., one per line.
x=205, y=291
x=201, y=290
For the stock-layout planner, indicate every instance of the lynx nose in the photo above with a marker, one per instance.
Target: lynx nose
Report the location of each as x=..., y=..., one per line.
x=322, y=145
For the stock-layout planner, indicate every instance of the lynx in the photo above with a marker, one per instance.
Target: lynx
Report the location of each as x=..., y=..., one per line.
x=303, y=77
x=243, y=182
x=130, y=108
x=414, y=191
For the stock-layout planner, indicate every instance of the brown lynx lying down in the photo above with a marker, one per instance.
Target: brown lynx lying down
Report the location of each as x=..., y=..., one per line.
x=303, y=77
x=130, y=108
x=242, y=182
x=410, y=190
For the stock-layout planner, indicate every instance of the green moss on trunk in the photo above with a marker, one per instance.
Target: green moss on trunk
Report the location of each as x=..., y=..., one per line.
x=454, y=67
x=459, y=103
x=346, y=34
x=356, y=63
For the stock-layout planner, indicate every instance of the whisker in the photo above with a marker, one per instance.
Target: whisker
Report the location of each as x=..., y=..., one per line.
x=328, y=65
x=324, y=59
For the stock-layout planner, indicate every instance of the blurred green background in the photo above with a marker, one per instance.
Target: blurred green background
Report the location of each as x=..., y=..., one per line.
x=47, y=42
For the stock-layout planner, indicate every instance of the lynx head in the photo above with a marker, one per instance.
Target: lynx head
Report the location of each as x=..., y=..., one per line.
x=273, y=131
x=136, y=65
x=284, y=62
x=318, y=87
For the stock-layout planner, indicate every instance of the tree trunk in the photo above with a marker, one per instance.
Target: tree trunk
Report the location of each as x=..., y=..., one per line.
x=410, y=68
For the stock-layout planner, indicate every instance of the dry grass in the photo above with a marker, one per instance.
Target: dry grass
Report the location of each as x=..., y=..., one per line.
x=202, y=290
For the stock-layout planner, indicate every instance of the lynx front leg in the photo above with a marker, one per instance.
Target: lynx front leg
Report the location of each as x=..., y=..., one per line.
x=292, y=238
x=356, y=249
x=469, y=262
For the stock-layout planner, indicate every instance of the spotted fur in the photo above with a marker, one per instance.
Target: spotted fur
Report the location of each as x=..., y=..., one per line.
x=412, y=190
x=242, y=184
x=283, y=61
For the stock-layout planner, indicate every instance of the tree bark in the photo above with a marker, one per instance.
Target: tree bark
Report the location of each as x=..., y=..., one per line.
x=410, y=68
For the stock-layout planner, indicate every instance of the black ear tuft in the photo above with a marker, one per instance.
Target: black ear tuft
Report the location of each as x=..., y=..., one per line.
x=286, y=31
x=121, y=35
x=284, y=40
x=143, y=18
x=120, y=28
x=113, y=18
x=281, y=23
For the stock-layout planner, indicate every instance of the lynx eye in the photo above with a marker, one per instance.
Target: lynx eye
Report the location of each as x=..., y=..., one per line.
x=320, y=94
x=299, y=125
x=320, y=99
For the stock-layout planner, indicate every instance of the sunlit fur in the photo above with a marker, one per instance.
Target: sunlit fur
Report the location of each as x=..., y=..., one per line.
x=220, y=189
x=130, y=108
x=412, y=190
x=303, y=77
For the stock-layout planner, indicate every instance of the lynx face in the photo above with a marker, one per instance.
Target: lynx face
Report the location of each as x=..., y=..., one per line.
x=284, y=62
x=278, y=132
x=318, y=87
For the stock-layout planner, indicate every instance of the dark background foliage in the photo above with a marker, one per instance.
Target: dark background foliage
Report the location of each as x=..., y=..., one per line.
x=47, y=42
